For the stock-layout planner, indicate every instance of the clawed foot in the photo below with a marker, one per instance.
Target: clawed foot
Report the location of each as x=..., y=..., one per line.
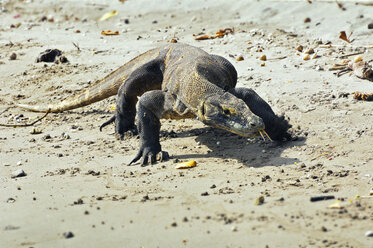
x=147, y=156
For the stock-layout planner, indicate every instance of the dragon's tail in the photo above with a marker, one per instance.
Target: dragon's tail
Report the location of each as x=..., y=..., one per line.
x=100, y=90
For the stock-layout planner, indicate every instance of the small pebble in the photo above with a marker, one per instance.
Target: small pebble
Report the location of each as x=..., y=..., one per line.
x=263, y=57
x=234, y=229
x=18, y=173
x=13, y=56
x=19, y=163
x=306, y=57
x=307, y=19
x=6, y=164
x=310, y=51
x=259, y=201
x=370, y=25
x=299, y=48
x=218, y=143
x=65, y=136
x=369, y=234
x=240, y=58
x=358, y=58
x=68, y=235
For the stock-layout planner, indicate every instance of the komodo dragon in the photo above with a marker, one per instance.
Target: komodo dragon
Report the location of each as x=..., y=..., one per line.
x=177, y=81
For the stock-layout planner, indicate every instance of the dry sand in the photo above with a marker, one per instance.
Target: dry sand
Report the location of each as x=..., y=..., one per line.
x=82, y=185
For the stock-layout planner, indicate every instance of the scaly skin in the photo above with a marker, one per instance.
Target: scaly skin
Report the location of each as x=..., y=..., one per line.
x=100, y=90
x=177, y=81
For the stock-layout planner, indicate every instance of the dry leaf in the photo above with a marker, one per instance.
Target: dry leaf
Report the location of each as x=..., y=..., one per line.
x=220, y=33
x=203, y=37
x=343, y=36
x=109, y=32
x=362, y=96
x=108, y=15
x=186, y=165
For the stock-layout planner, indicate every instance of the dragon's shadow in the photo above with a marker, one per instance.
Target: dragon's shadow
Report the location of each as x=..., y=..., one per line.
x=251, y=153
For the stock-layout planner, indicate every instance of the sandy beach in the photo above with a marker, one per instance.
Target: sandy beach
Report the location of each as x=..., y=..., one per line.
x=77, y=190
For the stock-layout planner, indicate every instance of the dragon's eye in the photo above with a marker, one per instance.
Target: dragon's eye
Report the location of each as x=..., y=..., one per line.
x=227, y=112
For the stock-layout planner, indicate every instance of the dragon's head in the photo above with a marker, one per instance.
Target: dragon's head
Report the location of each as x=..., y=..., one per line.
x=230, y=113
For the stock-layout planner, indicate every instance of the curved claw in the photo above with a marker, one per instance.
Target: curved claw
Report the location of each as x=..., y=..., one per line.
x=111, y=120
x=149, y=157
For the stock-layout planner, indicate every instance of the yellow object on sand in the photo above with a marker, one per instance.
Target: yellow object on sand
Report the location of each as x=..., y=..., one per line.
x=186, y=165
x=108, y=15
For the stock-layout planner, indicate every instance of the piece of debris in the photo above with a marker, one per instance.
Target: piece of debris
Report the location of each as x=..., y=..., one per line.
x=370, y=25
x=186, y=165
x=322, y=198
x=259, y=201
x=220, y=33
x=306, y=57
x=343, y=36
x=13, y=56
x=310, y=51
x=369, y=234
x=240, y=58
x=299, y=48
x=18, y=173
x=109, y=32
x=35, y=131
x=307, y=19
x=68, y=235
x=263, y=57
x=108, y=15
x=336, y=205
x=361, y=69
x=51, y=55
x=358, y=58
x=173, y=40
x=363, y=96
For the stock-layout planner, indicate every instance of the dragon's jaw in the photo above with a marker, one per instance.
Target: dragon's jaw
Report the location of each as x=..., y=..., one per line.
x=231, y=114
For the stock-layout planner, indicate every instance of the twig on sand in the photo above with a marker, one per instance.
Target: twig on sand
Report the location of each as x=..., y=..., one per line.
x=77, y=46
x=2, y=112
x=351, y=54
x=26, y=124
x=278, y=58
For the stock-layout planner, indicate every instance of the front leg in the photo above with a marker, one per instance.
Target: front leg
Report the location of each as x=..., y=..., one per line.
x=145, y=78
x=150, y=109
x=276, y=126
